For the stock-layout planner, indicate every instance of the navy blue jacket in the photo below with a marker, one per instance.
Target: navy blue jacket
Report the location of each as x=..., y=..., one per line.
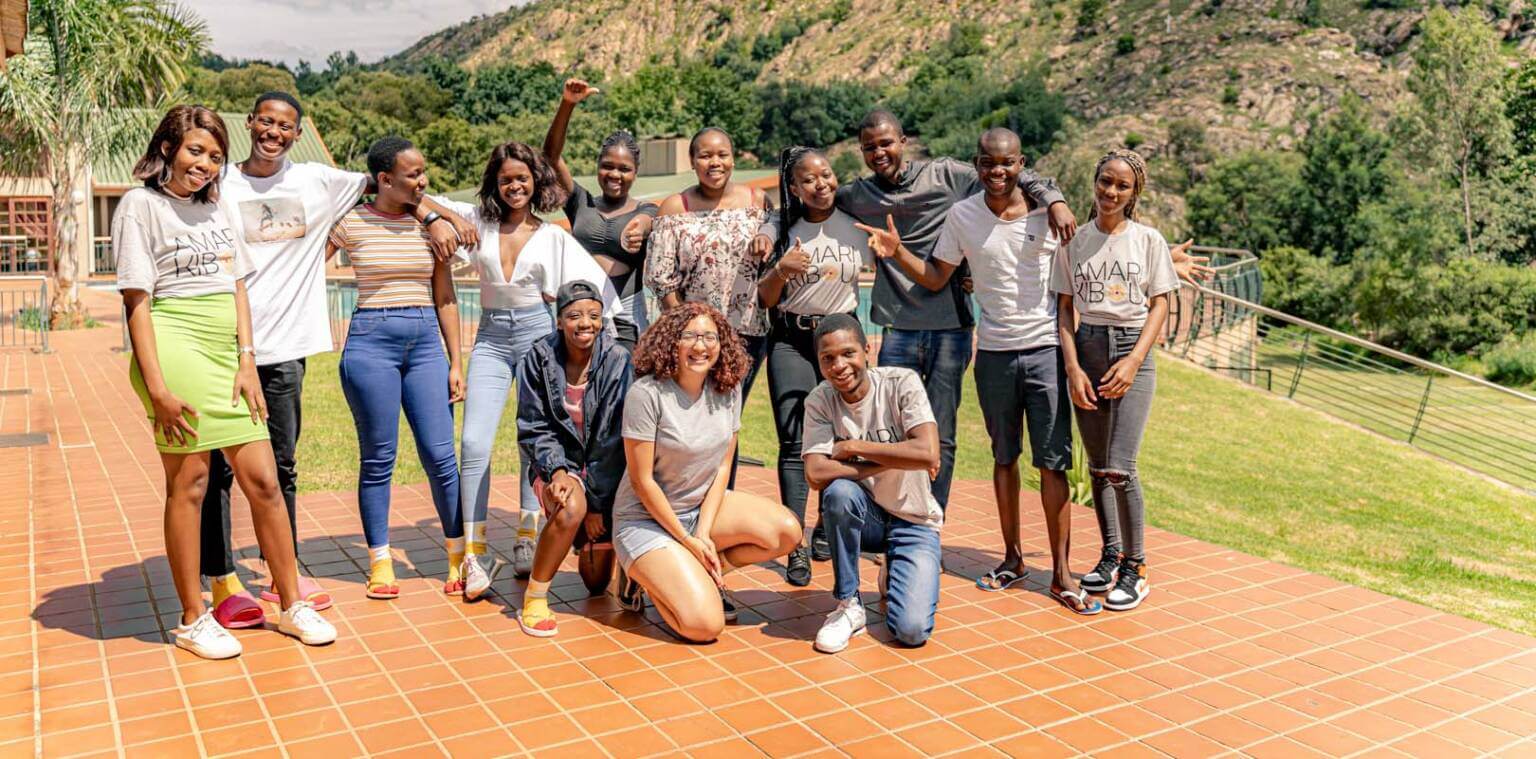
x=547, y=436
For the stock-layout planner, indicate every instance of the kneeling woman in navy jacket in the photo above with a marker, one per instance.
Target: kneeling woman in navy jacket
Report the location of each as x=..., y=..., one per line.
x=570, y=407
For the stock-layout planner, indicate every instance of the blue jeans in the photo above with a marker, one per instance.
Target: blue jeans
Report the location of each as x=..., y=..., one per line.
x=505, y=337
x=912, y=558
x=939, y=356
x=394, y=358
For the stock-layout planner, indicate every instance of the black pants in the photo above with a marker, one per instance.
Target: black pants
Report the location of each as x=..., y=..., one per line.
x=792, y=373
x=283, y=386
x=755, y=347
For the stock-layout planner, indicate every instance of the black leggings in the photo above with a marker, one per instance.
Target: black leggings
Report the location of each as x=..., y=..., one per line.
x=792, y=372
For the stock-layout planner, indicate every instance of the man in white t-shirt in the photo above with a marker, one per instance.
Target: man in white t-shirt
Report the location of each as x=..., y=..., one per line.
x=1020, y=379
x=871, y=447
x=283, y=211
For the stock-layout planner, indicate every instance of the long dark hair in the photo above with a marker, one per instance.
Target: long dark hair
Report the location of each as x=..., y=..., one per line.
x=791, y=209
x=547, y=192
x=154, y=167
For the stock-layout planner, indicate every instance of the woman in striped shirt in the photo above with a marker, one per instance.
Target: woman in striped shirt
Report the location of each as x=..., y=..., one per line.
x=394, y=358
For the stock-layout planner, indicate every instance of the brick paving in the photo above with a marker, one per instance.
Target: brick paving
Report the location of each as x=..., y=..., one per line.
x=1231, y=655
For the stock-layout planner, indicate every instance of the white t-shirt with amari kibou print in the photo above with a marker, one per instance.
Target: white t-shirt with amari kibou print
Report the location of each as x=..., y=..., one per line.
x=1113, y=278
x=176, y=248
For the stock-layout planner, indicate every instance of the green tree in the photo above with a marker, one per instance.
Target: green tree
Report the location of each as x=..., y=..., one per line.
x=1344, y=166
x=796, y=113
x=238, y=87
x=1521, y=108
x=649, y=102
x=510, y=90
x=410, y=100
x=1456, y=120
x=70, y=99
x=1247, y=201
x=715, y=97
x=1304, y=285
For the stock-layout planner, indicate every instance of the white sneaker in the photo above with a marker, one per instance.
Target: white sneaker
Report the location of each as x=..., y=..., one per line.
x=846, y=621
x=302, y=621
x=476, y=580
x=207, y=638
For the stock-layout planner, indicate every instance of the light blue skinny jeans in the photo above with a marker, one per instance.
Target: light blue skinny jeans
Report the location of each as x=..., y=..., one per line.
x=505, y=336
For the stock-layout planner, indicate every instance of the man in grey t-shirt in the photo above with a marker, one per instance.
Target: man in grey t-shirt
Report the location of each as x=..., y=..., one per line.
x=925, y=331
x=871, y=446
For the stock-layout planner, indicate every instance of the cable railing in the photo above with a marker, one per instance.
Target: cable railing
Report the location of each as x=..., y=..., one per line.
x=1464, y=419
x=24, y=313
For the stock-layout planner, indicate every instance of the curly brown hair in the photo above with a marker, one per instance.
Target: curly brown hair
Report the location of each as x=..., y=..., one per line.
x=656, y=354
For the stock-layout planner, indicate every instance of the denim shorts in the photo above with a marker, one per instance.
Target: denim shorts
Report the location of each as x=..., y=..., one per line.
x=1026, y=387
x=631, y=540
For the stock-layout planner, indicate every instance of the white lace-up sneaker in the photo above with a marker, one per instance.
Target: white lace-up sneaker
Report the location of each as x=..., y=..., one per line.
x=302, y=621
x=846, y=621
x=476, y=580
x=207, y=638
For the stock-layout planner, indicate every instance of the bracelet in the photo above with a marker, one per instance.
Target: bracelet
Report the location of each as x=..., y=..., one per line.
x=430, y=218
x=251, y=349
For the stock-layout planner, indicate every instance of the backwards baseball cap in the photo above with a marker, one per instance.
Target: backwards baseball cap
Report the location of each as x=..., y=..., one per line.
x=574, y=291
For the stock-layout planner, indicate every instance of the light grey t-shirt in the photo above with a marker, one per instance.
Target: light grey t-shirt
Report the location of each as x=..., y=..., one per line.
x=692, y=437
x=831, y=285
x=1011, y=268
x=174, y=248
x=896, y=405
x=1112, y=278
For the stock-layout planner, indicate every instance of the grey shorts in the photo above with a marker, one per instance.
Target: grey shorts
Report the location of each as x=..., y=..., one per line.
x=631, y=540
x=1026, y=387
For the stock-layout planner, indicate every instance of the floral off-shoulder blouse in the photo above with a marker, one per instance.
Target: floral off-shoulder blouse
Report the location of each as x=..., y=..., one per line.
x=706, y=256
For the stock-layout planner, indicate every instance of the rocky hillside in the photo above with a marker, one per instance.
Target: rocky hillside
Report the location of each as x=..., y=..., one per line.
x=1249, y=71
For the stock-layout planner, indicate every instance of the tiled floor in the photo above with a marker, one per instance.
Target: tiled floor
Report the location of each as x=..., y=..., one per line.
x=1231, y=654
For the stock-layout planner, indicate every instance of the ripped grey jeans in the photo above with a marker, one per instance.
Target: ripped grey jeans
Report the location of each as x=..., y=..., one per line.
x=1112, y=436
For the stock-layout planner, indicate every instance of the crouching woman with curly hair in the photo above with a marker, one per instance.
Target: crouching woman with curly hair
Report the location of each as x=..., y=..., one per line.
x=677, y=529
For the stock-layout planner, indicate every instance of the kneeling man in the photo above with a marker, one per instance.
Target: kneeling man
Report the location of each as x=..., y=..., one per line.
x=871, y=447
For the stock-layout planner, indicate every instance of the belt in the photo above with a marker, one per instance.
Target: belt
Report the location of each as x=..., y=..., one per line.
x=802, y=322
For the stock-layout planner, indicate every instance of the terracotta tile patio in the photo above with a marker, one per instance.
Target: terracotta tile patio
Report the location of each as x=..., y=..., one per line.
x=1231, y=654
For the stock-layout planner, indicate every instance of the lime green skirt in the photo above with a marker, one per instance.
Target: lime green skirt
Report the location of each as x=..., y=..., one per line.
x=199, y=354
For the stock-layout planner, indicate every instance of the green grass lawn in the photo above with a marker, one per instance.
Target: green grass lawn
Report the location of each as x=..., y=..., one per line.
x=1221, y=462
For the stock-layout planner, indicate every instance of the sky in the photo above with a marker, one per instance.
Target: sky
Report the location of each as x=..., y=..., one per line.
x=290, y=30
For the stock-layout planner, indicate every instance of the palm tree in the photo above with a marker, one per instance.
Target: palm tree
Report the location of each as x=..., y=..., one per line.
x=91, y=70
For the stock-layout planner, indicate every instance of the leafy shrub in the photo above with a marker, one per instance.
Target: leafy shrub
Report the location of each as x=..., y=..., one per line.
x=1308, y=286
x=1229, y=95
x=1512, y=361
x=1134, y=140
x=1246, y=201
x=1088, y=14
x=1448, y=309
x=1125, y=44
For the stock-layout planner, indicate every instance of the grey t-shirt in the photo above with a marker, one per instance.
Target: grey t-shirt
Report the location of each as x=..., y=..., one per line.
x=692, y=437
x=1011, y=264
x=896, y=405
x=838, y=250
x=918, y=204
x=1113, y=277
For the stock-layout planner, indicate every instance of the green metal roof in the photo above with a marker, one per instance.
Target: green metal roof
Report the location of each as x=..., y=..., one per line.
x=655, y=188
x=116, y=170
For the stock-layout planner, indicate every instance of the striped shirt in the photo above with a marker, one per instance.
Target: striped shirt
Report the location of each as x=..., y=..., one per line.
x=390, y=257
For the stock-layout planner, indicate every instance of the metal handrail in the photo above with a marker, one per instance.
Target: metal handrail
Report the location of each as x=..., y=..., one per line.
x=1362, y=343
x=1458, y=417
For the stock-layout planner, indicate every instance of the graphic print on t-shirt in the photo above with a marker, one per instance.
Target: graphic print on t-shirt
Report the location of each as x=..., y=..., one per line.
x=204, y=253
x=830, y=259
x=273, y=219
x=1098, y=280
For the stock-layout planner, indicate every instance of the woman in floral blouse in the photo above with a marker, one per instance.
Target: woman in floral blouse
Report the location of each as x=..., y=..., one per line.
x=700, y=246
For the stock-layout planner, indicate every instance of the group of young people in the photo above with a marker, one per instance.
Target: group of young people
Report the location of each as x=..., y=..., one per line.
x=627, y=422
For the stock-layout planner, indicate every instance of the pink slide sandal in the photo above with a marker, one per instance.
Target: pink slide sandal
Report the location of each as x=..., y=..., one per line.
x=309, y=590
x=240, y=611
